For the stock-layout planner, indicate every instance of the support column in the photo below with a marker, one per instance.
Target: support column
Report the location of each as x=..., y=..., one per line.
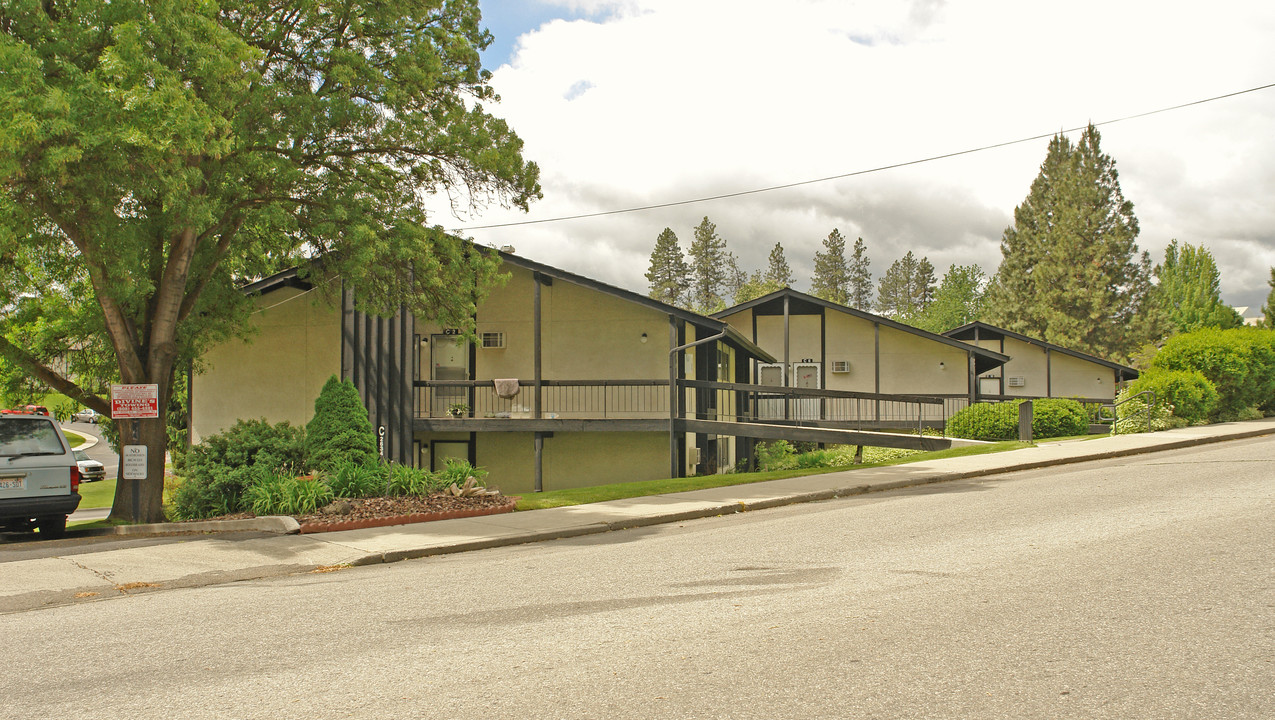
x=1049, y=374
x=973, y=382
x=540, y=450
x=536, y=348
x=673, y=397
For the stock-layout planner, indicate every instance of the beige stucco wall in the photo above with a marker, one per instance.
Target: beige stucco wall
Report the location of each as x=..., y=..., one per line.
x=569, y=459
x=803, y=334
x=853, y=340
x=911, y=364
x=1026, y=361
x=1053, y=374
x=586, y=334
x=1078, y=378
x=277, y=373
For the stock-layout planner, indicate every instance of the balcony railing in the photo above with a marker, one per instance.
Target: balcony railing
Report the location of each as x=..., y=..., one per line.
x=566, y=399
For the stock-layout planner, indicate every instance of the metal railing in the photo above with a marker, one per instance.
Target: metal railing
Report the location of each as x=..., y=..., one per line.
x=1115, y=412
x=802, y=406
x=575, y=399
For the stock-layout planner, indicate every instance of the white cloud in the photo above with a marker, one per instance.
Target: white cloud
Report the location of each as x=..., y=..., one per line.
x=665, y=100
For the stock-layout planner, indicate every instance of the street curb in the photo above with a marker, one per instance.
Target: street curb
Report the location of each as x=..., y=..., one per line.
x=805, y=497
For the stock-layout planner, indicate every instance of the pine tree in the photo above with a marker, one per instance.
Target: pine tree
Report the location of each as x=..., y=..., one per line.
x=1070, y=272
x=778, y=274
x=831, y=279
x=1189, y=290
x=896, y=298
x=669, y=274
x=860, y=278
x=713, y=270
x=906, y=289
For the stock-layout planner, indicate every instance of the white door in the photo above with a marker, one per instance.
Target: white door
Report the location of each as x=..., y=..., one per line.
x=449, y=360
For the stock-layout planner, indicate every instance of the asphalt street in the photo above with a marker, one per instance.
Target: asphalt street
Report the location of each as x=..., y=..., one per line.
x=1132, y=588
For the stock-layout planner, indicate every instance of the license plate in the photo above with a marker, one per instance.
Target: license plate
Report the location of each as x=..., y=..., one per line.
x=11, y=484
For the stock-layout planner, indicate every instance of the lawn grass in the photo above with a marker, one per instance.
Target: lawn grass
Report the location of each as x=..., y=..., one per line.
x=74, y=438
x=618, y=491
x=98, y=494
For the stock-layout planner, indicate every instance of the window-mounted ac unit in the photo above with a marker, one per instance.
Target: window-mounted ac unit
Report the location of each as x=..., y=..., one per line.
x=841, y=366
x=493, y=339
x=1018, y=381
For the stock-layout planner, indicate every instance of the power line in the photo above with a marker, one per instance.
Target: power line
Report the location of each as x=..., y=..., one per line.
x=856, y=173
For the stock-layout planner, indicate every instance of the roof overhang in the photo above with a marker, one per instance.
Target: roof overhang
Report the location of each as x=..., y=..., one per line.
x=991, y=332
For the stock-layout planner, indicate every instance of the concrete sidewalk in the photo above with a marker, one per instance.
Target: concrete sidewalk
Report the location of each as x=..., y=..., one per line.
x=108, y=570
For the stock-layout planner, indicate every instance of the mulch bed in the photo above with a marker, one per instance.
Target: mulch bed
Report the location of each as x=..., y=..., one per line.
x=355, y=513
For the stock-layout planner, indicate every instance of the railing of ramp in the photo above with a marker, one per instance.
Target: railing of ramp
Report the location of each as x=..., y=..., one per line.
x=845, y=409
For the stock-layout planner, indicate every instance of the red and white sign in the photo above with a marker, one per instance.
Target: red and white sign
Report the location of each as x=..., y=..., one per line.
x=134, y=401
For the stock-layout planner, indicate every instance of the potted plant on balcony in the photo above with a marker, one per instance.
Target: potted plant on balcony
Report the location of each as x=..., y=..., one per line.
x=457, y=409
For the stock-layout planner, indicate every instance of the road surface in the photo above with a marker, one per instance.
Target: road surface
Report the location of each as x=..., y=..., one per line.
x=1132, y=588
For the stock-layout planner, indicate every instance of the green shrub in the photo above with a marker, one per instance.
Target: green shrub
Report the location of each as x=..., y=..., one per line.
x=358, y=480
x=274, y=494
x=458, y=471
x=219, y=469
x=1188, y=392
x=405, y=480
x=340, y=430
x=1051, y=417
x=777, y=455
x=1240, y=363
x=1132, y=416
x=1055, y=417
x=985, y=421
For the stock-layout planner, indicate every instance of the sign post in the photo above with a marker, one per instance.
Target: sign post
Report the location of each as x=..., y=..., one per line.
x=134, y=402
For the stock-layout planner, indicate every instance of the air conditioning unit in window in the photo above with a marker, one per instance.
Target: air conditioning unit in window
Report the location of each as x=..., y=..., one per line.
x=841, y=366
x=1018, y=381
x=493, y=339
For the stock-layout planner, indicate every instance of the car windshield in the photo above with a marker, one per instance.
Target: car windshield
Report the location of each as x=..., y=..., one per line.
x=24, y=436
x=81, y=455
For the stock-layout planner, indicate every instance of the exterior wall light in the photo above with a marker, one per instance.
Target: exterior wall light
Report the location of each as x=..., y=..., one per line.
x=643, y=337
x=942, y=365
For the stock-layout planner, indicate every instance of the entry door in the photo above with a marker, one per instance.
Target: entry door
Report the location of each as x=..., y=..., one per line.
x=449, y=360
x=444, y=449
x=806, y=376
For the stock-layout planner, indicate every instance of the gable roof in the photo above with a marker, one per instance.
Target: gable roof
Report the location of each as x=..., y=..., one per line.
x=984, y=359
x=290, y=278
x=991, y=332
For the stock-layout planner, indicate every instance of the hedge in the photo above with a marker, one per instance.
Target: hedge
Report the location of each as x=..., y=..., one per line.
x=1051, y=417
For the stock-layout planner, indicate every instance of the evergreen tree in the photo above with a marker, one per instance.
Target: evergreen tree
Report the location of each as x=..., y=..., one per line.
x=778, y=274
x=340, y=430
x=906, y=289
x=895, y=298
x=754, y=287
x=1268, y=310
x=1188, y=290
x=668, y=273
x=1070, y=272
x=831, y=279
x=713, y=270
x=957, y=301
x=860, y=278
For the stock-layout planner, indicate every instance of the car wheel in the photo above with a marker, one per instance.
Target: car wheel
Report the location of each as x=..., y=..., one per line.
x=52, y=527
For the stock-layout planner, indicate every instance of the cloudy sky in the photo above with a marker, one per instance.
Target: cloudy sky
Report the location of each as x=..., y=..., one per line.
x=630, y=103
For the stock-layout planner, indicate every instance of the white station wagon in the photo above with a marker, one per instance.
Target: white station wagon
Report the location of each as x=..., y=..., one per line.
x=39, y=477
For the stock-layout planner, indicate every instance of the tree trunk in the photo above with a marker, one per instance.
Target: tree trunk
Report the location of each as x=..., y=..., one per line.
x=141, y=501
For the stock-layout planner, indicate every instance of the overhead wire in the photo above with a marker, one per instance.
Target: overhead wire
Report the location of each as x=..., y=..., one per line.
x=856, y=173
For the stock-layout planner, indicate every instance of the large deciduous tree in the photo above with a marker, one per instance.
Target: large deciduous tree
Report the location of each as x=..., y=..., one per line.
x=152, y=154
x=957, y=301
x=668, y=272
x=1189, y=291
x=1071, y=272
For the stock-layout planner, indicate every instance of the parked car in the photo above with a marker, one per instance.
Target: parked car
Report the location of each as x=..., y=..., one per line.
x=39, y=475
x=90, y=469
x=29, y=410
x=88, y=415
